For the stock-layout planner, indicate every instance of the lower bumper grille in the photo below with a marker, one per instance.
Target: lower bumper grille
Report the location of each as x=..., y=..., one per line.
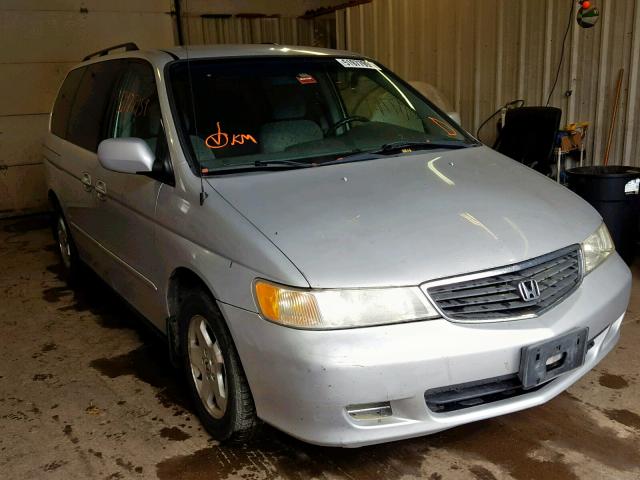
x=467, y=395
x=471, y=394
x=497, y=294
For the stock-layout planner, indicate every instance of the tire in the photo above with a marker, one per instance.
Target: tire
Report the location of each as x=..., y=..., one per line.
x=220, y=391
x=71, y=263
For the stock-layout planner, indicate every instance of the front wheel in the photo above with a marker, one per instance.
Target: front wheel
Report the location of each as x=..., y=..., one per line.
x=213, y=371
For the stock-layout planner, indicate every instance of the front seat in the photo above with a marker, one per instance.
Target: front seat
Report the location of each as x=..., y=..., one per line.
x=289, y=127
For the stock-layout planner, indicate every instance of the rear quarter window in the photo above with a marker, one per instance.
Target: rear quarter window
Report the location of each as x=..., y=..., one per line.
x=64, y=102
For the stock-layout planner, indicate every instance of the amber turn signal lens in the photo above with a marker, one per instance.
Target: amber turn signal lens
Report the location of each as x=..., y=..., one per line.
x=288, y=306
x=267, y=296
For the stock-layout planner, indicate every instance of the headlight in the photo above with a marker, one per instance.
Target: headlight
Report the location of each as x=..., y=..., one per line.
x=596, y=248
x=327, y=309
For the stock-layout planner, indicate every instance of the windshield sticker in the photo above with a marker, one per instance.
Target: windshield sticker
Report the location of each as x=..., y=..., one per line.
x=444, y=126
x=305, y=78
x=222, y=139
x=357, y=63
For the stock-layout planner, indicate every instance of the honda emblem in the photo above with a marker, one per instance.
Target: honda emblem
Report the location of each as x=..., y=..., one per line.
x=529, y=290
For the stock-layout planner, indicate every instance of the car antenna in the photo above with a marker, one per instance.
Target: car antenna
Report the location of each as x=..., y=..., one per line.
x=203, y=194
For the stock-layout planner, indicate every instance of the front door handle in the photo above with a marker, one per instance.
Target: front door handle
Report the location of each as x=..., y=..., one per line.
x=101, y=190
x=86, y=182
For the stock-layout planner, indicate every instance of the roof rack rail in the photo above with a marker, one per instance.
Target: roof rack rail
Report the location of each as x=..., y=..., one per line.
x=129, y=46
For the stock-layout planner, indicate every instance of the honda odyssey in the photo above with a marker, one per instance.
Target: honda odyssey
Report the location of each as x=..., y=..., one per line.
x=324, y=249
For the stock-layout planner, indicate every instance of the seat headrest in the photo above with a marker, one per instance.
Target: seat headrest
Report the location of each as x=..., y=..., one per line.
x=287, y=104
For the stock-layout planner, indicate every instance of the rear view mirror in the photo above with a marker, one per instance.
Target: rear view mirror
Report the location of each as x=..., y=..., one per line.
x=126, y=155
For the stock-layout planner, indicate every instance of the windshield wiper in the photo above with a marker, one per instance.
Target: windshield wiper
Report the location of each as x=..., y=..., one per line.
x=257, y=165
x=269, y=163
x=399, y=146
x=419, y=145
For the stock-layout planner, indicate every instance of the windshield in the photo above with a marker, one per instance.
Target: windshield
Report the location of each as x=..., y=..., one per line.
x=253, y=111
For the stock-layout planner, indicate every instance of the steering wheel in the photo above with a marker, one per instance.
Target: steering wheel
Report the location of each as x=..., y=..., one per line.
x=344, y=121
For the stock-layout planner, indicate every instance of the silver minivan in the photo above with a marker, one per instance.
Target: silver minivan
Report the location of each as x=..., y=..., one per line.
x=324, y=249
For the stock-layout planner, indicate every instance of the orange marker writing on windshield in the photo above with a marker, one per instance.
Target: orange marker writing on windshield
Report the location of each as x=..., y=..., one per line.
x=449, y=130
x=220, y=139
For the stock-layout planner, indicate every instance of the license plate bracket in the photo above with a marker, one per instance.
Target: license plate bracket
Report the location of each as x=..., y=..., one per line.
x=545, y=360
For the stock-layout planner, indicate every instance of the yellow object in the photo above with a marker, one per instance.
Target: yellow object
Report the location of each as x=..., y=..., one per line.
x=267, y=297
x=576, y=125
x=287, y=306
x=576, y=132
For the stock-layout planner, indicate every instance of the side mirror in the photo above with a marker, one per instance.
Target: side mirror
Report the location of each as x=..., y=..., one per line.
x=126, y=155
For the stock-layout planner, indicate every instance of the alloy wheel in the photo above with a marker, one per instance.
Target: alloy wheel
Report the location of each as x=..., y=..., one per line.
x=207, y=367
x=63, y=243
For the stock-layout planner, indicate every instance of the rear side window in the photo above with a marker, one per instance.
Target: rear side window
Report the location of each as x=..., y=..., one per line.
x=64, y=102
x=89, y=112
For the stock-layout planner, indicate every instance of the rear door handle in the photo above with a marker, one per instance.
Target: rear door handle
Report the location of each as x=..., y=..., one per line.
x=101, y=190
x=86, y=182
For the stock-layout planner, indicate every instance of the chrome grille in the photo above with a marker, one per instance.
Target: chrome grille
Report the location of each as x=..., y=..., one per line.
x=493, y=295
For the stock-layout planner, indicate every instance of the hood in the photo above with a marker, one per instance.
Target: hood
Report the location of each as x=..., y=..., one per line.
x=408, y=219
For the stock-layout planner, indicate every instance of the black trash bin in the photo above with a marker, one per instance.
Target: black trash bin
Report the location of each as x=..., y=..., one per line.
x=613, y=191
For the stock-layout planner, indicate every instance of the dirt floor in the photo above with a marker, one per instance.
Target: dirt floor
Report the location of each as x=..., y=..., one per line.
x=86, y=392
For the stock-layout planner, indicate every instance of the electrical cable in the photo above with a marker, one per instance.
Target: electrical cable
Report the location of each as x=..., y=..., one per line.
x=507, y=105
x=564, y=39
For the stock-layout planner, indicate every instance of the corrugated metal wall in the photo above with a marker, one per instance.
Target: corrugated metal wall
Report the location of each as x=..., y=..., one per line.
x=220, y=30
x=229, y=21
x=482, y=54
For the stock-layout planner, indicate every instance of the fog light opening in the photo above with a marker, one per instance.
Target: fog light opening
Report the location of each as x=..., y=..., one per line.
x=370, y=411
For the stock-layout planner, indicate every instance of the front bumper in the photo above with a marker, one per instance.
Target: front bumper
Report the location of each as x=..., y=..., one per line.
x=302, y=381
